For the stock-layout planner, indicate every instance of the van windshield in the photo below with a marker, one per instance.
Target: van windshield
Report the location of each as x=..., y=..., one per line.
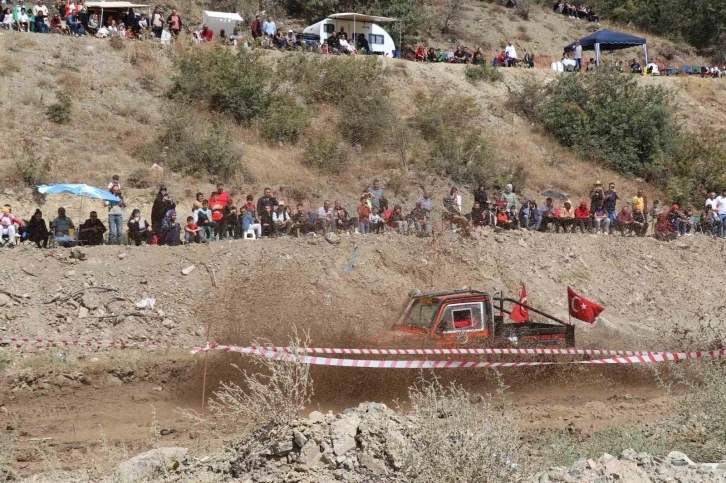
x=421, y=315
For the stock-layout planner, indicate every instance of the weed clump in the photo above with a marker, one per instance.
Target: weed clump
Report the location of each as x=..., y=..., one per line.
x=483, y=72
x=325, y=152
x=284, y=120
x=60, y=111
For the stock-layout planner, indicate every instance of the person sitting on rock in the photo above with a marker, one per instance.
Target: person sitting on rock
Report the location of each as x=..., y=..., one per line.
x=664, y=229
x=91, y=231
x=267, y=220
x=640, y=224
x=37, y=230
x=282, y=219
x=420, y=218
x=341, y=218
x=248, y=222
x=503, y=218
x=478, y=215
x=139, y=229
x=171, y=231
x=548, y=215
x=624, y=221
x=375, y=222
x=191, y=231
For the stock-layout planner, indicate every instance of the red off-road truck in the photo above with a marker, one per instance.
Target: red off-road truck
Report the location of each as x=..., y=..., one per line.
x=472, y=317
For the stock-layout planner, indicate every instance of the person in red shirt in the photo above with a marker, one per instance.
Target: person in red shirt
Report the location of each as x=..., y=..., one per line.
x=206, y=34
x=218, y=202
x=503, y=219
x=191, y=231
x=624, y=221
x=582, y=218
x=363, y=212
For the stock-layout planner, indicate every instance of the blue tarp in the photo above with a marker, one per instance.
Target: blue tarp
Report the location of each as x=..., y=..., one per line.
x=82, y=190
x=608, y=40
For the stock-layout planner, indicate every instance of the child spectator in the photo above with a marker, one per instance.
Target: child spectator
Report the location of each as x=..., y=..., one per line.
x=247, y=221
x=191, y=231
x=8, y=19
x=375, y=222
x=363, y=214
x=203, y=219
x=114, y=182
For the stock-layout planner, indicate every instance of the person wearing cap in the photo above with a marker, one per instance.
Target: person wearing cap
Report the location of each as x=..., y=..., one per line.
x=583, y=218
x=268, y=27
x=291, y=39
x=282, y=219
x=509, y=196
x=376, y=193
x=597, y=199
x=206, y=34
x=37, y=230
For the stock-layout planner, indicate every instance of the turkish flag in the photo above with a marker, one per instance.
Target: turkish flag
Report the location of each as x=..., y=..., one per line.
x=520, y=314
x=581, y=308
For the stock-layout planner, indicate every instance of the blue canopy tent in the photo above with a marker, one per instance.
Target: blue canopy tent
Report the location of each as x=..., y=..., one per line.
x=609, y=40
x=82, y=190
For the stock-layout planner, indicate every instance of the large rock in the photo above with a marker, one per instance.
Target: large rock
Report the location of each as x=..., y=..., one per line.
x=343, y=432
x=310, y=454
x=91, y=301
x=147, y=465
x=375, y=466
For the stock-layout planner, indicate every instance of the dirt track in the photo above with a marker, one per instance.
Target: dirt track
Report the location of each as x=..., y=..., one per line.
x=265, y=288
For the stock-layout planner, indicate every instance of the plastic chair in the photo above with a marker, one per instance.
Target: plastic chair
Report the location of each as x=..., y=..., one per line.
x=687, y=69
x=249, y=234
x=696, y=70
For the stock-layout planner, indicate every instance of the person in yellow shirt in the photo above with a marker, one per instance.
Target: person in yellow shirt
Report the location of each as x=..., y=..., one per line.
x=640, y=202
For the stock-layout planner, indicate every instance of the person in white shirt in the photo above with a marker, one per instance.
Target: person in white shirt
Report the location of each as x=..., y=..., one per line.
x=282, y=218
x=511, y=54
x=375, y=221
x=711, y=200
x=23, y=21
x=345, y=46
x=325, y=216
x=568, y=64
x=578, y=55
x=720, y=207
x=652, y=69
x=8, y=19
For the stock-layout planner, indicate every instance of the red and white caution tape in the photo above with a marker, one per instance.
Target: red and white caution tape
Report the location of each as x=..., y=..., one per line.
x=91, y=343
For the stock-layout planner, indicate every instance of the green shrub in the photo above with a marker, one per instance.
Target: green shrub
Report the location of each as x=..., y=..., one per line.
x=366, y=120
x=526, y=100
x=325, y=152
x=483, y=72
x=60, y=111
x=226, y=81
x=283, y=120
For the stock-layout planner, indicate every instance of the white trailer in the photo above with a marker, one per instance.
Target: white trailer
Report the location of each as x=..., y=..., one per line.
x=379, y=41
x=217, y=21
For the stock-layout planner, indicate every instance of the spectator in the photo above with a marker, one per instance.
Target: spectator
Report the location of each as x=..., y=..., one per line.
x=635, y=67
x=481, y=196
x=711, y=200
x=230, y=223
x=426, y=202
x=679, y=220
x=709, y=221
x=624, y=221
x=478, y=217
x=341, y=218
x=376, y=193
x=56, y=25
x=115, y=217
x=7, y=225
x=256, y=27
x=363, y=46
x=566, y=220
x=197, y=203
x=600, y=222
x=530, y=217
x=529, y=60
x=397, y=220
x=301, y=222
x=663, y=230
x=503, y=219
x=37, y=230
x=333, y=43
x=206, y=34
x=582, y=218
x=591, y=66
x=62, y=224
x=267, y=221
x=203, y=219
x=218, y=201
x=513, y=220
x=267, y=200
x=721, y=212
x=345, y=47
x=655, y=210
x=159, y=208
x=326, y=216
x=157, y=23
x=268, y=27
x=459, y=55
x=174, y=21
x=639, y=225
x=250, y=206
x=568, y=64
x=652, y=68
x=511, y=55
x=8, y=19
x=290, y=40
x=597, y=198
x=610, y=203
x=191, y=231
x=375, y=222
x=40, y=12
x=420, y=217
x=23, y=21
x=363, y=215
x=247, y=222
x=578, y=55
x=477, y=59
x=91, y=231
x=640, y=202
x=509, y=196
x=114, y=182
x=140, y=232
x=171, y=231
x=549, y=216
x=282, y=219
x=93, y=25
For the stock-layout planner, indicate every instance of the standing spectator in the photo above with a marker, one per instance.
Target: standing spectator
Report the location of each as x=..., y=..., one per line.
x=256, y=27
x=624, y=221
x=37, y=230
x=40, y=12
x=91, y=231
x=639, y=225
x=721, y=211
x=481, y=196
x=197, y=203
x=115, y=217
x=139, y=229
x=426, y=202
x=363, y=215
x=578, y=56
x=282, y=219
x=611, y=199
x=231, y=228
x=582, y=218
x=203, y=219
x=509, y=196
x=640, y=201
x=174, y=21
x=655, y=210
x=268, y=27
x=157, y=23
x=341, y=218
x=7, y=225
x=62, y=224
x=206, y=34
x=711, y=200
x=566, y=220
x=325, y=217
x=597, y=198
x=376, y=193
x=266, y=200
x=162, y=204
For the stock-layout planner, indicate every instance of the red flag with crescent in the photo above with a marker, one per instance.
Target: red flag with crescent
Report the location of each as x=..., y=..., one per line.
x=520, y=314
x=581, y=308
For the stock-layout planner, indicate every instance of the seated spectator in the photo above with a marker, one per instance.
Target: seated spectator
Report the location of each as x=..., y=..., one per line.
x=529, y=60
x=460, y=55
x=57, y=25
x=363, y=46
x=420, y=54
x=326, y=216
x=37, y=230
x=203, y=219
x=231, y=223
x=375, y=221
x=652, y=68
x=639, y=225
x=624, y=221
x=140, y=231
x=431, y=55
x=566, y=220
x=247, y=222
x=549, y=216
x=591, y=66
x=93, y=24
x=23, y=21
x=420, y=217
x=301, y=222
x=8, y=19
x=478, y=57
x=191, y=231
x=91, y=231
x=397, y=220
x=513, y=220
x=568, y=64
x=530, y=217
x=503, y=220
x=582, y=218
x=663, y=230
x=342, y=219
x=635, y=67
x=558, y=6
x=478, y=215
x=291, y=40
x=333, y=43
x=281, y=218
x=600, y=222
x=74, y=25
x=170, y=229
x=62, y=224
x=267, y=221
x=500, y=60
x=7, y=225
x=206, y=34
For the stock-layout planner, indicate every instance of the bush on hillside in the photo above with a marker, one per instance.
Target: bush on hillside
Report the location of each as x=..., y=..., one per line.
x=483, y=72
x=226, y=81
x=325, y=152
x=283, y=120
x=60, y=111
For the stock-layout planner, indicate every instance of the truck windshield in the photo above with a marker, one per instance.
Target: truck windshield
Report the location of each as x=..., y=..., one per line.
x=421, y=315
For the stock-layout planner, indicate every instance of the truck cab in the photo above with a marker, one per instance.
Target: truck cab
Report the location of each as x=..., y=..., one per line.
x=472, y=317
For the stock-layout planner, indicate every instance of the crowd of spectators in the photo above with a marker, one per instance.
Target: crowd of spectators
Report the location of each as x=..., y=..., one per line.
x=218, y=217
x=464, y=55
x=576, y=12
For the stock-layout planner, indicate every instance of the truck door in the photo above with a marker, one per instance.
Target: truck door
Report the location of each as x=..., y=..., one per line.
x=460, y=323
